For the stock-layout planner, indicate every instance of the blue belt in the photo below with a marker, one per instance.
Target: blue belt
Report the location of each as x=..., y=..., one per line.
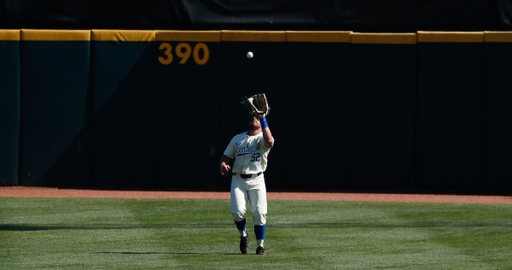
x=245, y=176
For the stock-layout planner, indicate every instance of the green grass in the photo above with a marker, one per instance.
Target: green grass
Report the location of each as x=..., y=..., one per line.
x=49, y=233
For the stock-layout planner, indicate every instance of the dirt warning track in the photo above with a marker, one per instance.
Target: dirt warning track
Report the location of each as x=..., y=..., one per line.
x=41, y=192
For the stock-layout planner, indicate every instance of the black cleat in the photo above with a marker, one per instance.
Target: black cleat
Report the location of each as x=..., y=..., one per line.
x=244, y=244
x=260, y=251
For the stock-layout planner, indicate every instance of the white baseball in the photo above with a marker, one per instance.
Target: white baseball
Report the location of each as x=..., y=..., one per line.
x=250, y=55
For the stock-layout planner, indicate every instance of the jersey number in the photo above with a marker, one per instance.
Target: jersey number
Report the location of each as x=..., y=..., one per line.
x=255, y=157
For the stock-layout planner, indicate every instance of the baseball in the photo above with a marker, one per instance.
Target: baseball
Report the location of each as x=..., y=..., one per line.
x=250, y=55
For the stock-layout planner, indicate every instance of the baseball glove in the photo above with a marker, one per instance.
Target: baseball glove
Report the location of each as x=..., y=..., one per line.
x=258, y=103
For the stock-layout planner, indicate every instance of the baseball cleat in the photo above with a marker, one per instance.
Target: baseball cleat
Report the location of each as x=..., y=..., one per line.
x=244, y=244
x=260, y=251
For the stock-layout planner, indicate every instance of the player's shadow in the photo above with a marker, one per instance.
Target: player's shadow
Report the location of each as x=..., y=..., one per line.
x=51, y=227
x=164, y=253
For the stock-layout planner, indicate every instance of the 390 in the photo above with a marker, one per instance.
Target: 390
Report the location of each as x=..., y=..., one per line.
x=183, y=51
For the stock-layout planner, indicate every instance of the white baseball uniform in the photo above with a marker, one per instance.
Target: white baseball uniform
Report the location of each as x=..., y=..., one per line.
x=250, y=155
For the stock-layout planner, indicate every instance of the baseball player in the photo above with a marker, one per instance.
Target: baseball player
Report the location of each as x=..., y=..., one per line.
x=250, y=152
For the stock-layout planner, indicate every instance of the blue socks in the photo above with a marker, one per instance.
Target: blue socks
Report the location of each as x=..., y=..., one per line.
x=241, y=227
x=260, y=234
x=259, y=231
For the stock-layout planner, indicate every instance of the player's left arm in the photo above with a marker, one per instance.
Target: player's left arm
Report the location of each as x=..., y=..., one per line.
x=268, y=140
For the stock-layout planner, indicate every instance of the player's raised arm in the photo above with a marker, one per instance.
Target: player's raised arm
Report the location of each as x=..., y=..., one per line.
x=268, y=140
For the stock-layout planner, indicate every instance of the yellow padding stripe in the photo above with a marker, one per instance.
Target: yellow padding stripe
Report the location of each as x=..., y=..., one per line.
x=55, y=35
x=454, y=37
x=123, y=35
x=384, y=38
x=318, y=36
x=256, y=36
x=498, y=36
x=9, y=34
x=189, y=36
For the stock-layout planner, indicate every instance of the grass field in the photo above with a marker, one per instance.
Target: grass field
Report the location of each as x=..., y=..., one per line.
x=50, y=233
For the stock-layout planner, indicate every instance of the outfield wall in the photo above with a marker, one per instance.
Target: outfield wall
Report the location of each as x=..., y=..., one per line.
x=9, y=106
x=155, y=109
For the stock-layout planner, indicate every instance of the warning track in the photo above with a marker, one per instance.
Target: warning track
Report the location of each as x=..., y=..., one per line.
x=41, y=192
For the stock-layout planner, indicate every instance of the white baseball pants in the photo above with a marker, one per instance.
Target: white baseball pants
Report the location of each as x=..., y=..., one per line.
x=245, y=190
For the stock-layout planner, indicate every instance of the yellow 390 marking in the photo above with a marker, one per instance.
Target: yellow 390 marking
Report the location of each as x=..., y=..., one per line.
x=183, y=55
x=183, y=51
x=168, y=59
x=206, y=53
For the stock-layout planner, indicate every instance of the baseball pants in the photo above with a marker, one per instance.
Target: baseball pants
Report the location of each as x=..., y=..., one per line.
x=245, y=190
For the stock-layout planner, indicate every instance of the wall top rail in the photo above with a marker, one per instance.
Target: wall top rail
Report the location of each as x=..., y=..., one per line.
x=451, y=37
x=384, y=38
x=189, y=36
x=9, y=34
x=123, y=35
x=253, y=36
x=318, y=36
x=55, y=35
x=491, y=36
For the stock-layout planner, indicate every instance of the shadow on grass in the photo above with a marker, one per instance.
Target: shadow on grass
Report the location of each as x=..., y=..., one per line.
x=165, y=253
x=34, y=227
x=462, y=224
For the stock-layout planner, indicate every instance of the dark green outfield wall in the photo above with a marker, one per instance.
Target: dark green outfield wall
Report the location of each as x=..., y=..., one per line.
x=317, y=139
x=55, y=109
x=156, y=109
x=123, y=87
x=382, y=111
x=188, y=109
x=449, y=108
x=9, y=106
x=496, y=113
